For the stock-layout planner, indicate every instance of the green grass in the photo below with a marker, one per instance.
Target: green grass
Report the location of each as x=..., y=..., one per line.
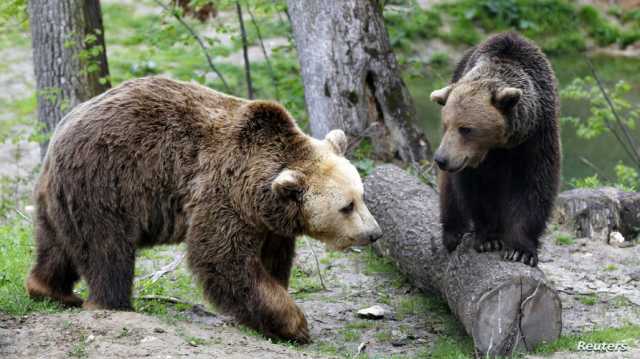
x=178, y=284
x=17, y=251
x=362, y=324
x=350, y=335
x=303, y=284
x=383, y=336
x=325, y=348
x=448, y=348
x=375, y=264
x=564, y=239
x=588, y=299
x=628, y=334
x=79, y=350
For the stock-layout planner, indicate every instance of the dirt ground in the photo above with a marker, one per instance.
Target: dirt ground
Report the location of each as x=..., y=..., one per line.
x=583, y=269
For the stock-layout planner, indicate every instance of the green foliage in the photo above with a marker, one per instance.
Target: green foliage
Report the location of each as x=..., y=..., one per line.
x=361, y=157
x=419, y=305
x=13, y=12
x=176, y=284
x=303, y=283
x=627, y=178
x=588, y=299
x=440, y=59
x=541, y=20
x=407, y=26
x=598, y=27
x=16, y=251
x=586, y=182
x=559, y=26
x=599, y=120
x=79, y=349
x=586, y=89
x=448, y=348
x=564, y=239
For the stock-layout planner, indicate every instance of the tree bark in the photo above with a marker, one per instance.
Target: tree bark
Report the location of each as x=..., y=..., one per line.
x=505, y=306
x=596, y=212
x=351, y=77
x=245, y=52
x=69, y=55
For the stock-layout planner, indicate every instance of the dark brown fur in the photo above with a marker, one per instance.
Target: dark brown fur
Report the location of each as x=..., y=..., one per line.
x=155, y=161
x=509, y=197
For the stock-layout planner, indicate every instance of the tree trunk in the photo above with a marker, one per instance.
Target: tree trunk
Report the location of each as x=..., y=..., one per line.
x=505, y=306
x=597, y=212
x=69, y=55
x=351, y=77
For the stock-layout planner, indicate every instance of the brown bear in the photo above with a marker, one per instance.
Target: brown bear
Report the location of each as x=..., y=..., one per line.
x=155, y=161
x=500, y=152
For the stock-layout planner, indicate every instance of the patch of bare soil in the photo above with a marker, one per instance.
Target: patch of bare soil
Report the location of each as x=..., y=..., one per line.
x=599, y=284
x=107, y=334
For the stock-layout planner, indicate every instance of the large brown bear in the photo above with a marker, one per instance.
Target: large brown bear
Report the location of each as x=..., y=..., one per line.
x=500, y=152
x=155, y=161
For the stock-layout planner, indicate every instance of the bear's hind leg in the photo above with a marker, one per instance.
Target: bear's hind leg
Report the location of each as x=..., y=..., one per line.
x=54, y=274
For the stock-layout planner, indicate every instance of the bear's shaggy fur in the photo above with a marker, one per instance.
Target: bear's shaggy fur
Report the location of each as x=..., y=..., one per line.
x=500, y=151
x=155, y=161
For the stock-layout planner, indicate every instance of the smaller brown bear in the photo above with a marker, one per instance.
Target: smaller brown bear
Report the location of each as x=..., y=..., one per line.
x=156, y=161
x=500, y=152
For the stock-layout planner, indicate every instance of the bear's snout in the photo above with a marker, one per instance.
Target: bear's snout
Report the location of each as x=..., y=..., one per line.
x=441, y=161
x=374, y=235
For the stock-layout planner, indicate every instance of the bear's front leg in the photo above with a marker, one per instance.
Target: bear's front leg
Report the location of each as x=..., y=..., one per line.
x=277, y=257
x=256, y=299
x=275, y=311
x=521, y=237
x=226, y=260
x=455, y=220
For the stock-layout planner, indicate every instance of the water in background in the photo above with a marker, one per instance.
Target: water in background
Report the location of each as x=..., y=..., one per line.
x=603, y=151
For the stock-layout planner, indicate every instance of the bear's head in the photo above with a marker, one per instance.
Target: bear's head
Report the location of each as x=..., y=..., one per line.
x=331, y=195
x=474, y=120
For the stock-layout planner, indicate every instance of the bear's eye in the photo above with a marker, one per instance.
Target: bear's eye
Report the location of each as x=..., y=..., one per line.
x=347, y=209
x=464, y=130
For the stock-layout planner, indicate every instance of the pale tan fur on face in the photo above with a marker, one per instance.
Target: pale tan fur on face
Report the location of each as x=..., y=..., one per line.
x=334, y=184
x=469, y=105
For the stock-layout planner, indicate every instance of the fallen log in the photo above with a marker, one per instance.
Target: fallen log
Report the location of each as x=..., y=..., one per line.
x=506, y=307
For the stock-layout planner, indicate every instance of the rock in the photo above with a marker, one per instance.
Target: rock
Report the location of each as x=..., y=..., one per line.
x=373, y=312
x=362, y=347
x=596, y=213
x=616, y=239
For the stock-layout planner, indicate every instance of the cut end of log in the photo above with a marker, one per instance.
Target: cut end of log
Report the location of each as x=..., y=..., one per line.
x=517, y=316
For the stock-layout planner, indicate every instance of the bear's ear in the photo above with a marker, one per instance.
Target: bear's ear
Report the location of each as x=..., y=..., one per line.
x=338, y=140
x=264, y=119
x=440, y=96
x=289, y=184
x=506, y=97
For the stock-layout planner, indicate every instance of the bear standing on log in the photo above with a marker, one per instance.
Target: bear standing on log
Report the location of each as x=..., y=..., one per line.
x=500, y=152
x=155, y=161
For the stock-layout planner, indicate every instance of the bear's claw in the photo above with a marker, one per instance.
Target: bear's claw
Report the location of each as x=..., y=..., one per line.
x=514, y=255
x=488, y=246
